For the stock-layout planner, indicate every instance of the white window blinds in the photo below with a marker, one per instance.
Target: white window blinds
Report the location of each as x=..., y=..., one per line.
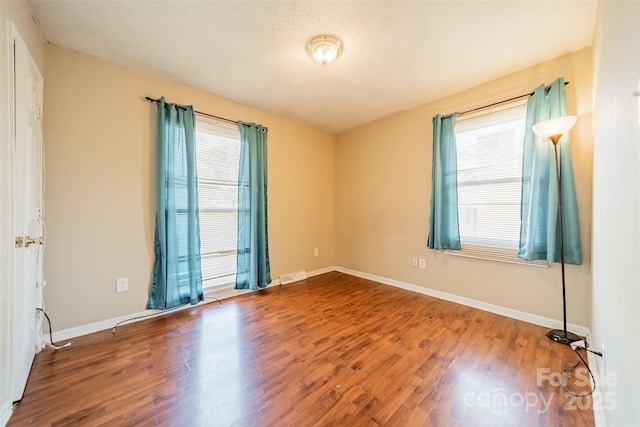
x=218, y=158
x=489, y=151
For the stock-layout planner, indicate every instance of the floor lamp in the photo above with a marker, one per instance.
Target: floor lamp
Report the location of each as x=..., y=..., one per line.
x=554, y=129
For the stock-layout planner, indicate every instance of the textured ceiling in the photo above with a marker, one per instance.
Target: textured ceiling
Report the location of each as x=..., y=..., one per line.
x=397, y=54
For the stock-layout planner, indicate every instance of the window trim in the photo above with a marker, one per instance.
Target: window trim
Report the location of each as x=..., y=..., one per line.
x=491, y=253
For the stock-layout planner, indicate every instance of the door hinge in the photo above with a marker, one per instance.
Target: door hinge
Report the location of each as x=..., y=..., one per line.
x=19, y=242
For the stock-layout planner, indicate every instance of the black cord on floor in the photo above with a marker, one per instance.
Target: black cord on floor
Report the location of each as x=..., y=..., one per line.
x=50, y=329
x=572, y=368
x=53, y=344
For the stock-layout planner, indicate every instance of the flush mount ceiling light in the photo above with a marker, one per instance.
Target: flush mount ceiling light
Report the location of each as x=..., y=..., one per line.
x=324, y=49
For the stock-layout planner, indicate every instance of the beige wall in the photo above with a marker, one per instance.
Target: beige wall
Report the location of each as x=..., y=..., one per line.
x=374, y=182
x=383, y=172
x=98, y=132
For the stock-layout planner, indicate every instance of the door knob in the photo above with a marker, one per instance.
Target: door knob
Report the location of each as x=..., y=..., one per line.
x=28, y=241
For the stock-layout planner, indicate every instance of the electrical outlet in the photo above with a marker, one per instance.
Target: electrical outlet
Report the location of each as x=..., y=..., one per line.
x=316, y=252
x=423, y=263
x=414, y=262
x=122, y=285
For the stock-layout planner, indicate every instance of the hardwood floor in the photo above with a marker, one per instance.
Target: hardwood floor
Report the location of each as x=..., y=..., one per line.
x=333, y=350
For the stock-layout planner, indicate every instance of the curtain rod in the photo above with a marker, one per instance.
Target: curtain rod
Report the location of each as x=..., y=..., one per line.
x=199, y=112
x=498, y=103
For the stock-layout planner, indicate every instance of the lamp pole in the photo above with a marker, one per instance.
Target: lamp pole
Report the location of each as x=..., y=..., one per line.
x=561, y=336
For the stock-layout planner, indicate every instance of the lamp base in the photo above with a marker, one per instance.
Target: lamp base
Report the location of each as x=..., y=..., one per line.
x=563, y=337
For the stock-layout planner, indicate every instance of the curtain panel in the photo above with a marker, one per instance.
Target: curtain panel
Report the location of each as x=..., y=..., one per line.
x=177, y=275
x=253, y=269
x=539, y=230
x=444, y=232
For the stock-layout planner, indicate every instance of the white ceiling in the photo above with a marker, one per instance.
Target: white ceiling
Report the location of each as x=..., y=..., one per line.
x=397, y=54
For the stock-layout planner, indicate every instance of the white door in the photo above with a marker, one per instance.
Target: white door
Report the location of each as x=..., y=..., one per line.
x=28, y=214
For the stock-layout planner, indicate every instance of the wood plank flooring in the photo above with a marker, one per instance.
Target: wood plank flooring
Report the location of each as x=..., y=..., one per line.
x=333, y=350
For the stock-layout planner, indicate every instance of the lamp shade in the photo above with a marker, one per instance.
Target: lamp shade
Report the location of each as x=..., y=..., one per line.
x=324, y=49
x=553, y=127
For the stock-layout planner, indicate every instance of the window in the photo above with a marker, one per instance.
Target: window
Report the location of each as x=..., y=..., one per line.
x=218, y=159
x=489, y=148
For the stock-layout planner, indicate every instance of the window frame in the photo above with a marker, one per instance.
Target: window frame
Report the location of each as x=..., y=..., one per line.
x=487, y=248
x=224, y=133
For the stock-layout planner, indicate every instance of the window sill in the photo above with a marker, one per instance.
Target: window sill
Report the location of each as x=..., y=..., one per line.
x=488, y=253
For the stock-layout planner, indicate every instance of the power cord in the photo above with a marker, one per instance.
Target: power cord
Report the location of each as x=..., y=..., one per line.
x=215, y=299
x=582, y=345
x=159, y=312
x=51, y=343
x=575, y=346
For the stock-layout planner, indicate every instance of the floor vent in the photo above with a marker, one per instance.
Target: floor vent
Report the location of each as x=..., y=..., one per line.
x=293, y=277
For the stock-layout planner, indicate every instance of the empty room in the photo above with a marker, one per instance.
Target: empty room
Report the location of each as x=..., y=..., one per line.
x=319, y=213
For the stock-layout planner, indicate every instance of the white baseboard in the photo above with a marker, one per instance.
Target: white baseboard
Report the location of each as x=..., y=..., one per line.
x=224, y=292
x=322, y=271
x=5, y=413
x=212, y=295
x=497, y=309
x=228, y=291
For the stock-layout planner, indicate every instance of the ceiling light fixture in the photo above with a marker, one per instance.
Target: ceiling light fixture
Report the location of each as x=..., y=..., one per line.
x=324, y=49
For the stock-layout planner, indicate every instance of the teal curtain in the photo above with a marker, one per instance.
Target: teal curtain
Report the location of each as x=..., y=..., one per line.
x=253, y=270
x=177, y=275
x=539, y=233
x=444, y=232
